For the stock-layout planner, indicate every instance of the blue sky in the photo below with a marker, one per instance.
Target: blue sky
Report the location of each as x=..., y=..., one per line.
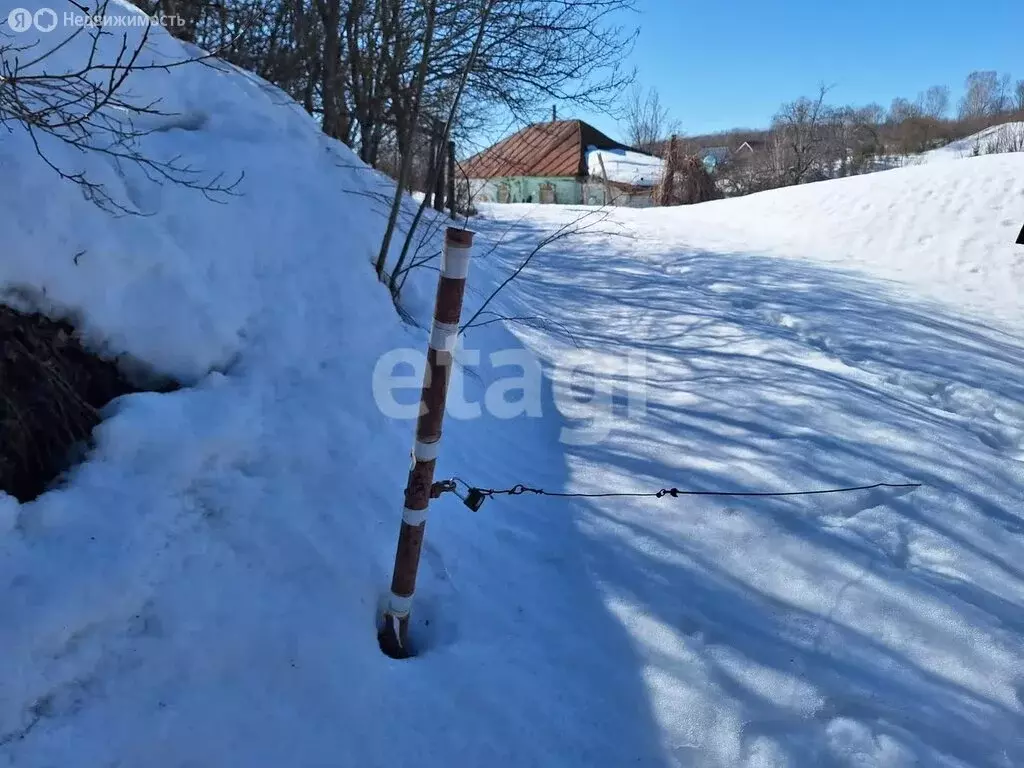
x=720, y=65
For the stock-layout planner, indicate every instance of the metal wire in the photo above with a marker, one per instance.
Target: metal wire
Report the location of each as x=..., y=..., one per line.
x=519, y=489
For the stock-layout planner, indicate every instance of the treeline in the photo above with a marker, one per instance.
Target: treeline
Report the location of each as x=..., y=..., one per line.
x=386, y=76
x=811, y=139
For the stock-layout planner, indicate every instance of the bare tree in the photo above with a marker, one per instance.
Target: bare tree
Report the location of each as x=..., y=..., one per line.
x=647, y=122
x=409, y=115
x=536, y=52
x=89, y=107
x=352, y=63
x=977, y=99
x=914, y=126
x=1004, y=97
x=484, y=15
x=868, y=121
x=335, y=109
x=370, y=36
x=936, y=102
x=986, y=94
x=903, y=109
x=800, y=140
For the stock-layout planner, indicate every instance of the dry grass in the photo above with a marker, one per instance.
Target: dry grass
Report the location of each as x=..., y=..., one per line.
x=685, y=181
x=51, y=391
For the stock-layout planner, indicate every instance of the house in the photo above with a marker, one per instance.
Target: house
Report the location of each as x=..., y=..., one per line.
x=562, y=161
x=714, y=157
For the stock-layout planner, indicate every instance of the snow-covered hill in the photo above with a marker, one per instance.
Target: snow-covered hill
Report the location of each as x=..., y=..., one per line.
x=203, y=590
x=945, y=231
x=999, y=139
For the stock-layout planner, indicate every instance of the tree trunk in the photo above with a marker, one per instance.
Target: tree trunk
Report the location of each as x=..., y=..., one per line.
x=406, y=156
x=336, y=118
x=439, y=162
x=451, y=179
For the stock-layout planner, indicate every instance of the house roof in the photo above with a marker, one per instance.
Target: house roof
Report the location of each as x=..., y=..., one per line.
x=624, y=167
x=555, y=148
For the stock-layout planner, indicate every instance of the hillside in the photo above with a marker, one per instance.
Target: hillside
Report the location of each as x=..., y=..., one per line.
x=1005, y=137
x=202, y=590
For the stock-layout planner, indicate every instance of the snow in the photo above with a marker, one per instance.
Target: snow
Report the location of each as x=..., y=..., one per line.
x=203, y=590
x=948, y=230
x=1006, y=137
x=150, y=285
x=625, y=166
x=806, y=338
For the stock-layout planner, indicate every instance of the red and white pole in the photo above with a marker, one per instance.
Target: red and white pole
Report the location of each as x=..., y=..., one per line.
x=394, y=632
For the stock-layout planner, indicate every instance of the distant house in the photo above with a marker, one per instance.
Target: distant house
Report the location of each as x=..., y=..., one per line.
x=712, y=157
x=563, y=161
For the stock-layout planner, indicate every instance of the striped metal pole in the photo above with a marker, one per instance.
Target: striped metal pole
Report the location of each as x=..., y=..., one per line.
x=394, y=631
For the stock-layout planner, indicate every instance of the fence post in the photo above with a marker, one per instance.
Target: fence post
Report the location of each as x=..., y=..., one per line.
x=394, y=632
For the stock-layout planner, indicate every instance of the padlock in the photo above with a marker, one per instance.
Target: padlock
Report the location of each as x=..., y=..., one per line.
x=474, y=499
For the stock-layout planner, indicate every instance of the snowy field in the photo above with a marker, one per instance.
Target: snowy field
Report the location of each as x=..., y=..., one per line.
x=203, y=590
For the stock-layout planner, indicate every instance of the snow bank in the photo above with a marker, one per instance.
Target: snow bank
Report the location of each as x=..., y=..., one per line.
x=181, y=286
x=625, y=166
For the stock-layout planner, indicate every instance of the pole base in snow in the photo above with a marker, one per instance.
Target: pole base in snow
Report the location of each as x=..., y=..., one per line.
x=393, y=637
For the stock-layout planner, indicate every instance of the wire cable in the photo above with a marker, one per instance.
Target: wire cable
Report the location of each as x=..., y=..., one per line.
x=519, y=489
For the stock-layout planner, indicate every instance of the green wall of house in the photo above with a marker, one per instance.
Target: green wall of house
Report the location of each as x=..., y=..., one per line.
x=527, y=189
